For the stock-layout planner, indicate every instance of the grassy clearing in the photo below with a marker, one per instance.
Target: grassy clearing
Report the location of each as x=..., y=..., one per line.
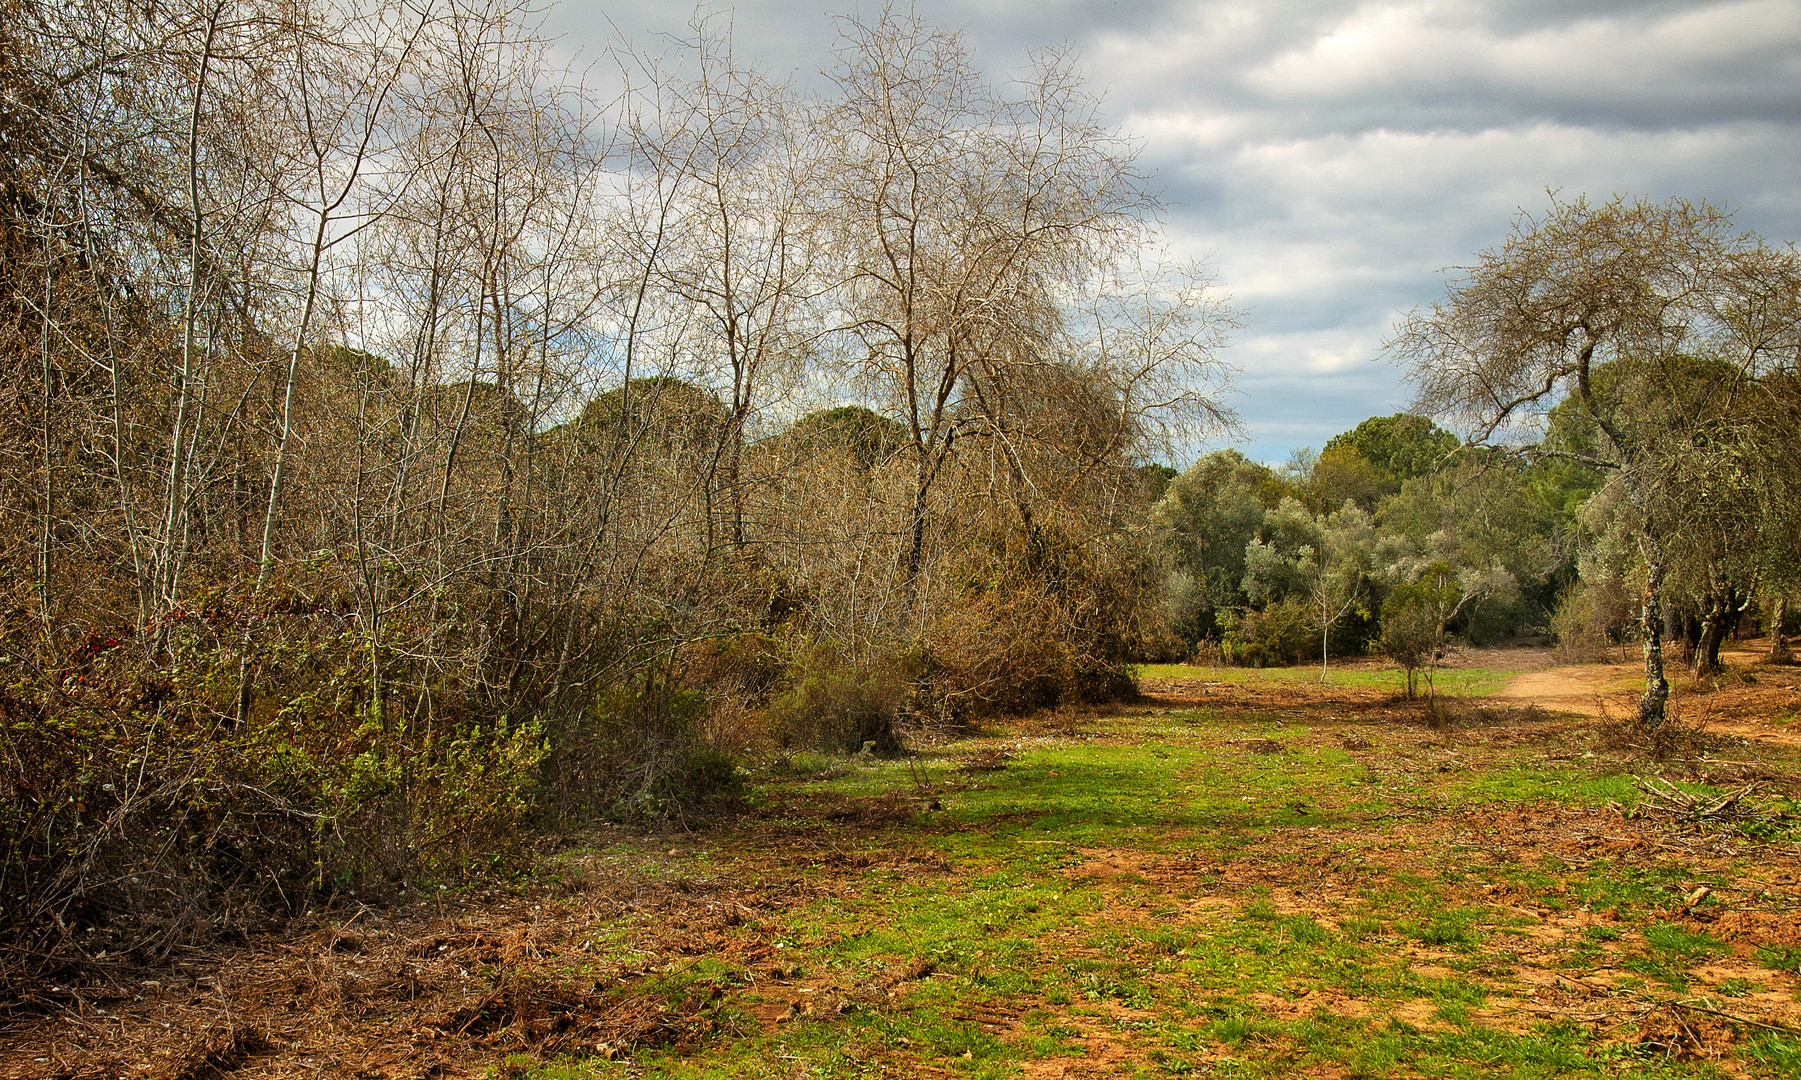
x=1456, y=681
x=1261, y=879
x=1213, y=893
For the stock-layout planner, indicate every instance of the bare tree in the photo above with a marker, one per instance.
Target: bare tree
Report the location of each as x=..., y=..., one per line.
x=743, y=155
x=965, y=213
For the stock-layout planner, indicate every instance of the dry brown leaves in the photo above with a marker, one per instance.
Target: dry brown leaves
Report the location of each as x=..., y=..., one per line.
x=415, y=992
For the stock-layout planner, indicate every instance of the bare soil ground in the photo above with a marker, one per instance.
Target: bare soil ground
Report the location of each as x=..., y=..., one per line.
x=1751, y=700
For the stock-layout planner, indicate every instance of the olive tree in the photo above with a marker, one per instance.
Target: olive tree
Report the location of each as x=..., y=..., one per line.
x=1628, y=287
x=1324, y=560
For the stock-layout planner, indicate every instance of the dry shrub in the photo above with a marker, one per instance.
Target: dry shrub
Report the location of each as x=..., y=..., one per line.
x=986, y=760
x=1676, y=737
x=1729, y=677
x=996, y=655
x=642, y=752
x=1207, y=653
x=830, y=701
x=1009, y=654
x=732, y=725
x=1041, y=622
x=1589, y=619
x=1444, y=713
x=748, y=665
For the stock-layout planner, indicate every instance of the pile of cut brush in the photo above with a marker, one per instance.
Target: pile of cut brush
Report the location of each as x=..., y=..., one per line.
x=1734, y=808
x=415, y=992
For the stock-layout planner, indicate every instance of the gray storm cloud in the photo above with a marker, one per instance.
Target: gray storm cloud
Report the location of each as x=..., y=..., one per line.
x=1330, y=160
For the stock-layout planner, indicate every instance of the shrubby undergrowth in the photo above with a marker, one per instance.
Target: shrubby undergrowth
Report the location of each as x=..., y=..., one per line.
x=408, y=457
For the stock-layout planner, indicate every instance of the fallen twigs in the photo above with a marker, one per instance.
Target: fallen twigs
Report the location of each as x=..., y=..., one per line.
x=1735, y=806
x=1783, y=1029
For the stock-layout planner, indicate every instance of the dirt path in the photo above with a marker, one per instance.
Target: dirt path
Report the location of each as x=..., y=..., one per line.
x=1759, y=704
x=1583, y=689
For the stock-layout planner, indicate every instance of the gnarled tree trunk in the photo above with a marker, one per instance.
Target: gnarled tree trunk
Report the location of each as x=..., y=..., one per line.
x=1657, y=687
x=1714, y=623
x=1779, y=650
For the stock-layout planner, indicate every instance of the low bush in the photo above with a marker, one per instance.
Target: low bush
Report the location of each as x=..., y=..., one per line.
x=1677, y=737
x=640, y=752
x=1277, y=636
x=1576, y=625
x=141, y=806
x=1041, y=621
x=830, y=701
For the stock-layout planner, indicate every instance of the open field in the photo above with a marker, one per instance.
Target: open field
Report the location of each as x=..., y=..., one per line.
x=1488, y=674
x=1242, y=875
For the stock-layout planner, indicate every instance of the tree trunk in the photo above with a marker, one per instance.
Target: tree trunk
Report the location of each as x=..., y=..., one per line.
x=47, y=529
x=1779, y=651
x=916, y=541
x=1657, y=688
x=1714, y=626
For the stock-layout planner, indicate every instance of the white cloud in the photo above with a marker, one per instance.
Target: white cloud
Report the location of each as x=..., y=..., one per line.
x=1425, y=49
x=1328, y=160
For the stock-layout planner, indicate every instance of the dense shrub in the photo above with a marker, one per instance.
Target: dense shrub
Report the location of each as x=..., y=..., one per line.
x=1279, y=635
x=640, y=752
x=1591, y=617
x=132, y=793
x=1042, y=620
x=830, y=701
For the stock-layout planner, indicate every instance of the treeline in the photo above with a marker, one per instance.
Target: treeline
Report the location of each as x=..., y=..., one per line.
x=1626, y=383
x=1393, y=537
x=1398, y=538
x=407, y=447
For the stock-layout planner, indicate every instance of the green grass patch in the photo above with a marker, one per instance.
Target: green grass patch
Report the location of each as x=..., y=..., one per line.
x=1458, y=682
x=1202, y=893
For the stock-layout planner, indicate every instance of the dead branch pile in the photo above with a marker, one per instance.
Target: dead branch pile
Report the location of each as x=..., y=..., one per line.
x=1664, y=798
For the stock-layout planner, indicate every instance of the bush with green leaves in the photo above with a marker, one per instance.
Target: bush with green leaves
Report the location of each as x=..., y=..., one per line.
x=830, y=701
x=1410, y=630
x=1277, y=636
x=133, y=793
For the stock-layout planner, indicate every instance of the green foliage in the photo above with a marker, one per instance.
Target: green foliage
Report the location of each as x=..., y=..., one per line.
x=1238, y=539
x=866, y=436
x=1480, y=519
x=137, y=789
x=1410, y=628
x=1277, y=636
x=669, y=411
x=1401, y=447
x=1339, y=474
x=1204, y=521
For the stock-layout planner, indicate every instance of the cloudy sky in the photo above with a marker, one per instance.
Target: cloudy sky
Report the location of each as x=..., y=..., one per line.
x=1331, y=160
